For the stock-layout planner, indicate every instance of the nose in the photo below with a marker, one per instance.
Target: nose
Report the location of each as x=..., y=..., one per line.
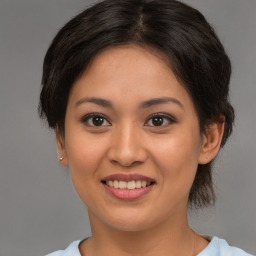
x=127, y=147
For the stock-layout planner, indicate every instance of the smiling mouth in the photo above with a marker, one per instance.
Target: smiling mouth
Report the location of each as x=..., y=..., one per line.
x=130, y=185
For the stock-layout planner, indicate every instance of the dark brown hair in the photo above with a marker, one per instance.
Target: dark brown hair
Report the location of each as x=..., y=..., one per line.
x=177, y=30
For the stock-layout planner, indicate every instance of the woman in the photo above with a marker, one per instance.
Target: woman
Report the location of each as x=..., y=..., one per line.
x=137, y=94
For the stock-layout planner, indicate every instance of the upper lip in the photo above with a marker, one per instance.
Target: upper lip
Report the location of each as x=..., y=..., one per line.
x=127, y=177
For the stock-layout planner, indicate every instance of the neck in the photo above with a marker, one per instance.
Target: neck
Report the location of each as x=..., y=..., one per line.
x=168, y=238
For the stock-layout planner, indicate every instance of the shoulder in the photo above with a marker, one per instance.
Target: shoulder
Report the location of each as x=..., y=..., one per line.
x=216, y=247
x=219, y=247
x=71, y=250
x=233, y=251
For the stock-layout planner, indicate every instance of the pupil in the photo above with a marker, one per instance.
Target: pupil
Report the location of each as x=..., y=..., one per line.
x=157, y=121
x=97, y=121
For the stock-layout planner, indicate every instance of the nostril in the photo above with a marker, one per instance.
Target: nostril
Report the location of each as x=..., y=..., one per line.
x=127, y=155
x=126, y=164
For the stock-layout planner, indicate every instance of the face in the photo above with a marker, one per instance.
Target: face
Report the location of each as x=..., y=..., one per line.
x=132, y=140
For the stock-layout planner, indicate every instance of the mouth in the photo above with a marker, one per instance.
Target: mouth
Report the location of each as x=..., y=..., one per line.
x=133, y=184
x=128, y=187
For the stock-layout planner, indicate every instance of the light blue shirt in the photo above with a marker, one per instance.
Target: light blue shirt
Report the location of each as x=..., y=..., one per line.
x=216, y=247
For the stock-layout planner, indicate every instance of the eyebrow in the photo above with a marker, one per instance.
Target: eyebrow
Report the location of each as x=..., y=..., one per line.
x=158, y=101
x=97, y=101
x=145, y=104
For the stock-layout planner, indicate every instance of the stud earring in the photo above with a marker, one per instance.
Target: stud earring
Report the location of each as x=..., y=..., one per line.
x=61, y=158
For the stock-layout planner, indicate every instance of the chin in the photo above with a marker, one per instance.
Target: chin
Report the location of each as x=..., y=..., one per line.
x=131, y=223
x=130, y=227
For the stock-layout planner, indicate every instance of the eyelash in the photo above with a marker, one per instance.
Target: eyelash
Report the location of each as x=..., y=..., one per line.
x=169, y=119
x=89, y=117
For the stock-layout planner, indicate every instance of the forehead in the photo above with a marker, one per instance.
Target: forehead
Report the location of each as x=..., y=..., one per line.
x=120, y=72
x=142, y=52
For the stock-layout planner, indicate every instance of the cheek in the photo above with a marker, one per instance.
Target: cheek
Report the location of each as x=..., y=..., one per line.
x=85, y=160
x=84, y=156
x=177, y=158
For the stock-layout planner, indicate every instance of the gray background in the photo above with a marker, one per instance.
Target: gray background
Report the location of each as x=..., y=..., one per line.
x=39, y=210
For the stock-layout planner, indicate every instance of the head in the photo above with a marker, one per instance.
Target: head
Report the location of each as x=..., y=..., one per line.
x=178, y=34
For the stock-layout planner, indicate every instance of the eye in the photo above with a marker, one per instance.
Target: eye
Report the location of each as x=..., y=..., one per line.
x=95, y=120
x=159, y=120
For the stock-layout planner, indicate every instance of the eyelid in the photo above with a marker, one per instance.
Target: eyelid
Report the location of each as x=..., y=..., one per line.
x=85, y=119
x=163, y=115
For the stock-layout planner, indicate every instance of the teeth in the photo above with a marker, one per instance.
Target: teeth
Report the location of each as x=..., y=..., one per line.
x=128, y=185
x=131, y=185
x=138, y=184
x=122, y=185
x=115, y=184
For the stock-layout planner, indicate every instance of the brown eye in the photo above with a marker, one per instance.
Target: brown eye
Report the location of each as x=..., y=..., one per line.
x=159, y=120
x=95, y=120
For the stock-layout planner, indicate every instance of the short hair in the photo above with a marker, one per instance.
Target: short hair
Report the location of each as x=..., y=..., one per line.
x=180, y=32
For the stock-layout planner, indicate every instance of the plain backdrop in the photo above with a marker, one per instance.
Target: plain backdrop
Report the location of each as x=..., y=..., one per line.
x=39, y=209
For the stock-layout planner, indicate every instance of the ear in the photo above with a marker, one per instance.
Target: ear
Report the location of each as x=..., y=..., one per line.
x=60, y=141
x=211, y=141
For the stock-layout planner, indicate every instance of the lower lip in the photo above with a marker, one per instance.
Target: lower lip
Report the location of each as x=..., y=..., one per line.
x=128, y=194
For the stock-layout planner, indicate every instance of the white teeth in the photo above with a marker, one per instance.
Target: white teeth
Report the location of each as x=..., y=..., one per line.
x=128, y=185
x=143, y=183
x=131, y=185
x=122, y=185
x=115, y=184
x=138, y=184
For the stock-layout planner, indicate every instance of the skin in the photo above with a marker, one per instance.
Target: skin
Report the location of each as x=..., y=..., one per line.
x=129, y=142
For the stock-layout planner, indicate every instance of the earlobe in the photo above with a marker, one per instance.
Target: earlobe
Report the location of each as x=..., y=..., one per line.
x=62, y=156
x=211, y=142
